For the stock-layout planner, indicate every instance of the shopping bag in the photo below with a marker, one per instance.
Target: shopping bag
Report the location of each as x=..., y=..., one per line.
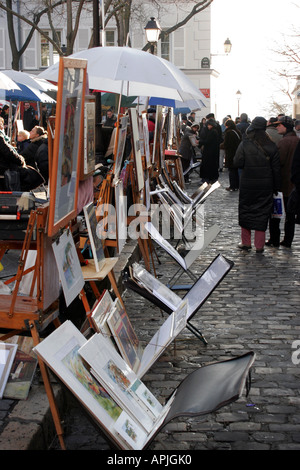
x=278, y=211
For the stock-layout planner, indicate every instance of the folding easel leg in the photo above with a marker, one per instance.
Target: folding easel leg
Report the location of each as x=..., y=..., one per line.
x=196, y=332
x=48, y=388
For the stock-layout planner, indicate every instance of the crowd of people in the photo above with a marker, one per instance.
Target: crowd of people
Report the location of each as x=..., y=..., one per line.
x=28, y=151
x=263, y=160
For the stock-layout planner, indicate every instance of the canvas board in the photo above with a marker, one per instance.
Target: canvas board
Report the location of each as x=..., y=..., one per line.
x=68, y=265
x=96, y=243
x=136, y=146
x=120, y=381
x=60, y=352
x=124, y=335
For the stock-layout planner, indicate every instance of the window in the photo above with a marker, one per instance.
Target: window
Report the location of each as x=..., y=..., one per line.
x=49, y=54
x=110, y=37
x=165, y=48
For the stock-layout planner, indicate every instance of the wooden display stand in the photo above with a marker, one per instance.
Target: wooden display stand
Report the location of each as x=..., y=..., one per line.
x=34, y=312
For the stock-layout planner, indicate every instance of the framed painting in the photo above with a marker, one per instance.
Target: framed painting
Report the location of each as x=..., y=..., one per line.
x=7, y=355
x=68, y=143
x=89, y=138
x=95, y=241
x=137, y=154
x=60, y=351
x=121, y=213
x=120, y=144
x=68, y=265
x=146, y=138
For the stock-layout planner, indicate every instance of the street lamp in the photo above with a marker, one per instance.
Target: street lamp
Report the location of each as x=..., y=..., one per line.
x=152, y=30
x=238, y=96
x=227, y=46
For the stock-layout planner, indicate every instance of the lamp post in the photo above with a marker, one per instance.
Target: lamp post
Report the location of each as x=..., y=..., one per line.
x=152, y=30
x=238, y=96
x=227, y=46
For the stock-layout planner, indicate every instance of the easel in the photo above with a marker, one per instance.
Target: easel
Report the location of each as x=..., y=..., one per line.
x=31, y=314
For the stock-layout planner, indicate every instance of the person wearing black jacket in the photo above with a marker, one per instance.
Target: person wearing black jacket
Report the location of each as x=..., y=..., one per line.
x=295, y=179
x=258, y=158
x=36, y=153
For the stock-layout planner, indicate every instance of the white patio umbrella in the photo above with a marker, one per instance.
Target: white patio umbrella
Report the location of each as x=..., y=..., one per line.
x=30, y=81
x=7, y=83
x=131, y=72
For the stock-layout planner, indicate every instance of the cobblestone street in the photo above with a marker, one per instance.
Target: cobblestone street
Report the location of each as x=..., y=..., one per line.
x=256, y=307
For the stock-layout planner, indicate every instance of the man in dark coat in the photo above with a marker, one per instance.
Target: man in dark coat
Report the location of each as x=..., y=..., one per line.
x=258, y=158
x=209, y=142
x=232, y=139
x=243, y=125
x=286, y=146
x=29, y=120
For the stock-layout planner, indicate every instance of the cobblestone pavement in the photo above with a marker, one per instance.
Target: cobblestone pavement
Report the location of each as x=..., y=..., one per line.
x=255, y=307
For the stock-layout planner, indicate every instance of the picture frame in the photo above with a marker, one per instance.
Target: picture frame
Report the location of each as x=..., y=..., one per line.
x=120, y=144
x=121, y=214
x=101, y=312
x=136, y=146
x=95, y=241
x=7, y=355
x=146, y=139
x=68, y=265
x=120, y=381
x=89, y=138
x=68, y=143
x=125, y=336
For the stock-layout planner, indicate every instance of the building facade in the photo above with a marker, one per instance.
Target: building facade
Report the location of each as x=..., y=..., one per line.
x=188, y=47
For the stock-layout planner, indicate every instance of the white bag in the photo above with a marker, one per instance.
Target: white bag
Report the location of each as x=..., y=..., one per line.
x=278, y=211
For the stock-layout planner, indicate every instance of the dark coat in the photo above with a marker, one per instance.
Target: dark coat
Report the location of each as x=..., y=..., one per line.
x=9, y=158
x=209, y=170
x=295, y=170
x=287, y=146
x=260, y=178
x=232, y=140
x=41, y=158
x=29, y=153
x=186, y=149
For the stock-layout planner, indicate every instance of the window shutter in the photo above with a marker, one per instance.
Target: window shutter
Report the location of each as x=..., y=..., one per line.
x=178, y=50
x=2, y=49
x=30, y=55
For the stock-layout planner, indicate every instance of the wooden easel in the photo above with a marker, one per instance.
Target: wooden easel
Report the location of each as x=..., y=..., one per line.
x=32, y=314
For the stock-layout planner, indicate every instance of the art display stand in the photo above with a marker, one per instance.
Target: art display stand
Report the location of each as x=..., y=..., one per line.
x=120, y=403
x=32, y=313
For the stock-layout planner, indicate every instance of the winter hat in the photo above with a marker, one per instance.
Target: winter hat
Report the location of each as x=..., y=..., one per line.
x=258, y=123
x=287, y=122
x=212, y=122
x=272, y=122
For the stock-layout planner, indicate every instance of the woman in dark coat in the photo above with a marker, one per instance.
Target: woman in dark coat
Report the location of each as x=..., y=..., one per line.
x=232, y=139
x=36, y=153
x=258, y=158
x=210, y=146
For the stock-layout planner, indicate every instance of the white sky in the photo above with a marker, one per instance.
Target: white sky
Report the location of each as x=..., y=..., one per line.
x=254, y=27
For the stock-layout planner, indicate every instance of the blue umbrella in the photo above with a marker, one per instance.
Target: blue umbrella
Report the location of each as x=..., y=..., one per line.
x=25, y=94
x=180, y=107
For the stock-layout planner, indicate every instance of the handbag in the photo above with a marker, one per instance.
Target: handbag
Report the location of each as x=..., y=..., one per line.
x=278, y=211
x=23, y=179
